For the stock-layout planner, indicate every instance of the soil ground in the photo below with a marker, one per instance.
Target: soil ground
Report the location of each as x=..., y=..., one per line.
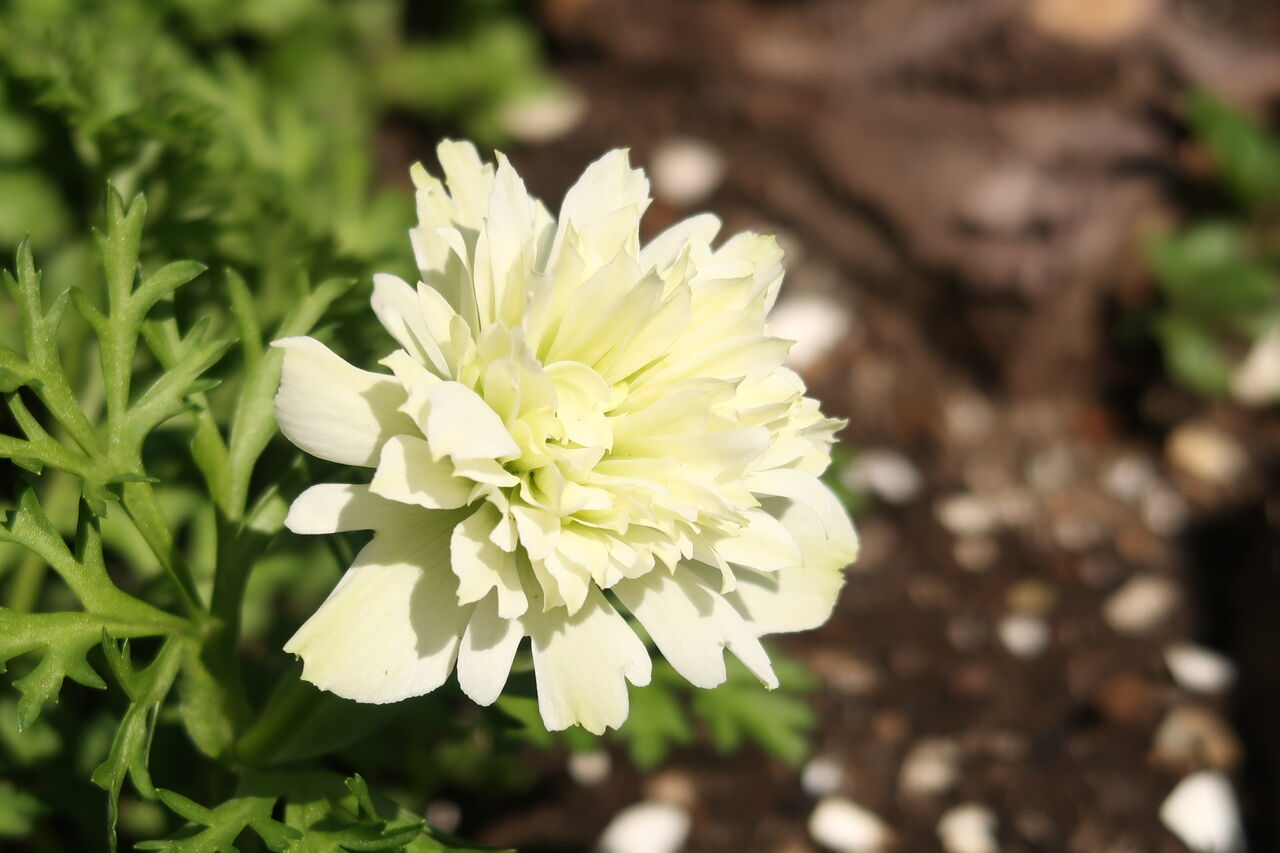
x=968, y=182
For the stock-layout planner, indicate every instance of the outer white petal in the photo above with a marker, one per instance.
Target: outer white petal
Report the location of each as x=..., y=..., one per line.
x=608, y=187
x=764, y=544
x=338, y=507
x=482, y=566
x=407, y=473
x=333, y=410
x=663, y=250
x=461, y=424
x=692, y=625
x=488, y=647
x=400, y=312
x=799, y=598
x=391, y=627
x=583, y=662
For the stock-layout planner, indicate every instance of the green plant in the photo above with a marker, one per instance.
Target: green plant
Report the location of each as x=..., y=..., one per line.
x=1221, y=277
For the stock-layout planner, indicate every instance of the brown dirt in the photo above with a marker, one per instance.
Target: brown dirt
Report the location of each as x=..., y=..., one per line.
x=971, y=180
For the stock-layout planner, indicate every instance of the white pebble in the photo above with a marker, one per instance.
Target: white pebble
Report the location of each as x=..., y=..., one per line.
x=1128, y=478
x=1165, y=510
x=975, y=553
x=686, y=171
x=821, y=776
x=1202, y=812
x=1024, y=635
x=1141, y=604
x=969, y=828
x=1257, y=381
x=966, y=515
x=816, y=324
x=544, y=117
x=1199, y=669
x=885, y=473
x=589, y=768
x=847, y=827
x=932, y=767
x=646, y=827
x=1207, y=453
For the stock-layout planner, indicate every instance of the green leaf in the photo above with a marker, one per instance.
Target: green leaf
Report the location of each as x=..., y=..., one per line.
x=1247, y=156
x=131, y=748
x=780, y=721
x=657, y=722
x=18, y=812
x=1193, y=355
x=1208, y=274
x=220, y=827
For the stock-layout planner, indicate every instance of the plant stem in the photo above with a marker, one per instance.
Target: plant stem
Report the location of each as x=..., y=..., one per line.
x=286, y=710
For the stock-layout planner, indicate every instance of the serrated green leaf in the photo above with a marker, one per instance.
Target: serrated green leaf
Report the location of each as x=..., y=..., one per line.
x=1208, y=274
x=131, y=748
x=779, y=721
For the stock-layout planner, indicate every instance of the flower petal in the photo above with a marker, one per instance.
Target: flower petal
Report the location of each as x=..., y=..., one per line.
x=391, y=627
x=799, y=598
x=583, y=662
x=461, y=424
x=764, y=544
x=333, y=410
x=407, y=473
x=481, y=565
x=338, y=507
x=692, y=625
x=488, y=647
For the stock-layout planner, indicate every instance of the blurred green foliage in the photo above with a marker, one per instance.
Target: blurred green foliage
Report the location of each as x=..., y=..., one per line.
x=1220, y=277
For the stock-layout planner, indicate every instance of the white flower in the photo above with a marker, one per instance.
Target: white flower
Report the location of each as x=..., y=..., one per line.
x=571, y=422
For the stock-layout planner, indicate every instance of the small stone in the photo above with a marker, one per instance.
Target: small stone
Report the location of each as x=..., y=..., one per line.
x=1190, y=738
x=975, y=553
x=816, y=323
x=966, y=515
x=1202, y=812
x=1128, y=478
x=845, y=673
x=544, y=117
x=1034, y=597
x=887, y=474
x=969, y=418
x=1002, y=201
x=1077, y=532
x=1165, y=511
x=589, y=769
x=1256, y=381
x=1051, y=470
x=1199, y=669
x=1141, y=604
x=646, y=827
x=846, y=827
x=674, y=787
x=969, y=828
x=686, y=171
x=931, y=768
x=1207, y=453
x=443, y=814
x=1024, y=635
x=821, y=776
x=1092, y=23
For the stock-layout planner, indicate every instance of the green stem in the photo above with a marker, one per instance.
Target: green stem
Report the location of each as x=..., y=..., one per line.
x=24, y=589
x=286, y=710
x=144, y=511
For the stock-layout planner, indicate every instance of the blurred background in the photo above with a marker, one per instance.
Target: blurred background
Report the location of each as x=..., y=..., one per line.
x=1034, y=257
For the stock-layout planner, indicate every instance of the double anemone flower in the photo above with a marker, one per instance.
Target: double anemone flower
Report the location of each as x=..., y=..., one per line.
x=571, y=423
